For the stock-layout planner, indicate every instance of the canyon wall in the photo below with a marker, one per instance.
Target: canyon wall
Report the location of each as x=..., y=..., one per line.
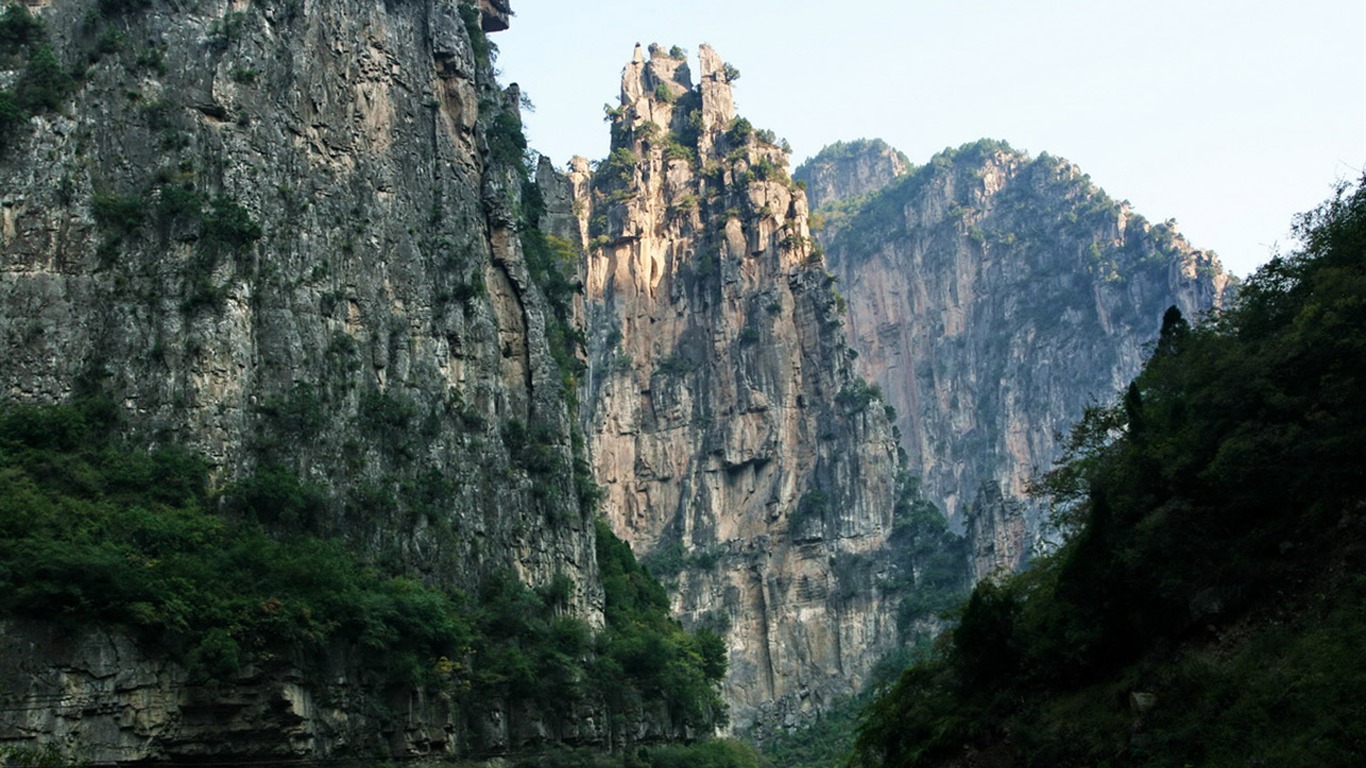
x=738, y=451
x=993, y=296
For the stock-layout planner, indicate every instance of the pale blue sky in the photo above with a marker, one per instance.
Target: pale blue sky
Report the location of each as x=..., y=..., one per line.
x=1228, y=116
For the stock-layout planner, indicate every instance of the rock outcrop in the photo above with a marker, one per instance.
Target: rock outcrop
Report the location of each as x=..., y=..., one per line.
x=102, y=696
x=738, y=451
x=992, y=296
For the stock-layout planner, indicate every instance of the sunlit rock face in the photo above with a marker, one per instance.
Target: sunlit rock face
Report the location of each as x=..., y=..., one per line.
x=850, y=170
x=717, y=401
x=993, y=296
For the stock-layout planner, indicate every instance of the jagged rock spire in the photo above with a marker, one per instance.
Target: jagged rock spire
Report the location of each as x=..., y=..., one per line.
x=718, y=103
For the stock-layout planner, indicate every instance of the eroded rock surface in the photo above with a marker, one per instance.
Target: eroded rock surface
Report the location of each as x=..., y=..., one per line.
x=716, y=404
x=993, y=296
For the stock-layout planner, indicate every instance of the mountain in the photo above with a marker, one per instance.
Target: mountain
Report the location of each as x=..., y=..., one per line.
x=290, y=455
x=325, y=406
x=992, y=296
x=738, y=452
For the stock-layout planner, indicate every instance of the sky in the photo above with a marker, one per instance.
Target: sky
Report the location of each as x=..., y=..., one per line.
x=1230, y=117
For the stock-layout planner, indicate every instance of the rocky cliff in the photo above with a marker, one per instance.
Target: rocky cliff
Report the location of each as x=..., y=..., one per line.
x=992, y=296
x=286, y=235
x=844, y=171
x=737, y=449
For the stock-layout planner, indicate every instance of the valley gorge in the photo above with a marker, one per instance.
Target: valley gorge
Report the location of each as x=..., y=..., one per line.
x=304, y=241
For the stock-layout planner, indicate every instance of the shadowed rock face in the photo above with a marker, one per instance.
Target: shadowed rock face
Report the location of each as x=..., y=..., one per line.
x=713, y=400
x=311, y=264
x=993, y=296
x=496, y=14
x=385, y=291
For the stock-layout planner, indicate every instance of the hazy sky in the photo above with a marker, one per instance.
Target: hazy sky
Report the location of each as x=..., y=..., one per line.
x=1227, y=116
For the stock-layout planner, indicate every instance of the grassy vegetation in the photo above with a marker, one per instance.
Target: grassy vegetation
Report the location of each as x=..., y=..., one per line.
x=1203, y=608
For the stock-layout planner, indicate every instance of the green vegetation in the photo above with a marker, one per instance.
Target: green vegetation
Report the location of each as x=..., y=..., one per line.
x=116, y=7
x=669, y=560
x=507, y=144
x=812, y=509
x=227, y=226
x=43, y=84
x=644, y=653
x=739, y=132
x=617, y=174
x=19, y=28
x=858, y=394
x=931, y=561
x=484, y=51
x=94, y=530
x=1202, y=609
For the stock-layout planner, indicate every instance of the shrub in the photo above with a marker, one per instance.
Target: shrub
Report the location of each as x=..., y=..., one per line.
x=116, y=7
x=507, y=143
x=739, y=132
x=12, y=115
x=857, y=394
x=120, y=214
x=229, y=226
x=44, y=85
x=18, y=27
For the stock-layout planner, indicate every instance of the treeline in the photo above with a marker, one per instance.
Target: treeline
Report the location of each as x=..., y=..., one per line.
x=1209, y=604
x=95, y=530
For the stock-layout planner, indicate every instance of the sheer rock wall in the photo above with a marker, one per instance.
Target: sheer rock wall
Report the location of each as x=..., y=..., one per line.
x=993, y=296
x=713, y=400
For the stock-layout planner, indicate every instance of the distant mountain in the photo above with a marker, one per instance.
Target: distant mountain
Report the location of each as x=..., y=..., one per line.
x=992, y=296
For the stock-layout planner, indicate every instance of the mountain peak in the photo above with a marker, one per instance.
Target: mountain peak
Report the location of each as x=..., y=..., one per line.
x=850, y=168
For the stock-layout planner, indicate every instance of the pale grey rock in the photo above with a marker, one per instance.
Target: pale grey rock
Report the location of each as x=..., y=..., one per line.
x=850, y=169
x=993, y=296
x=710, y=403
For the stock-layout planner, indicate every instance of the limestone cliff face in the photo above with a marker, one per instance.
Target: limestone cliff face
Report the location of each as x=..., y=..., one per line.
x=993, y=296
x=283, y=234
x=381, y=327
x=851, y=169
x=717, y=401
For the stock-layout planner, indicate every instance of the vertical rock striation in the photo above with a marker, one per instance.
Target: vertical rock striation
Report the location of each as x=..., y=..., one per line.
x=993, y=296
x=289, y=241
x=285, y=235
x=724, y=419
x=853, y=169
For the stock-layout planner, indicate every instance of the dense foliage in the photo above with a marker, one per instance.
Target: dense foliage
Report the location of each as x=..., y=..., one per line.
x=94, y=530
x=1205, y=605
